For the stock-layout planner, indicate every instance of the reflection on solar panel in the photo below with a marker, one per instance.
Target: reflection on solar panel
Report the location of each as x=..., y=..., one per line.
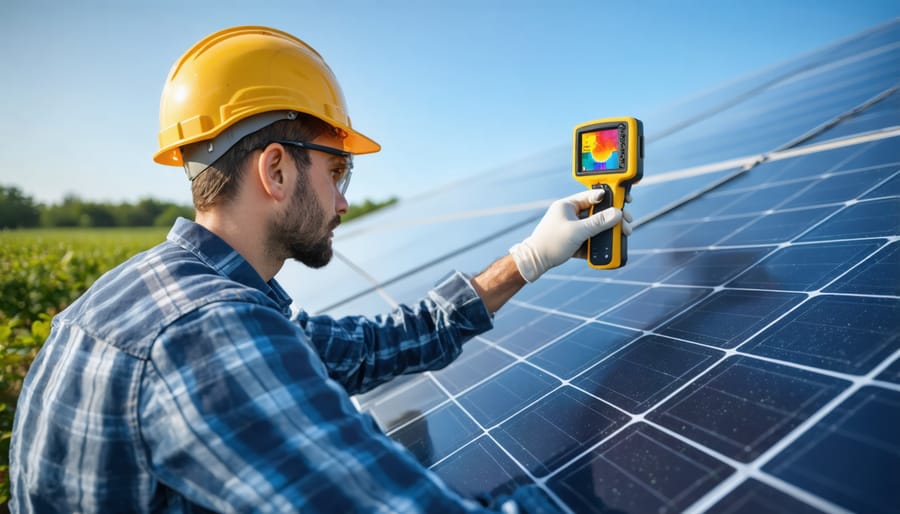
x=748, y=357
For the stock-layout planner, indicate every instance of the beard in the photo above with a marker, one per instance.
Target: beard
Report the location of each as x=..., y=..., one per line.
x=302, y=233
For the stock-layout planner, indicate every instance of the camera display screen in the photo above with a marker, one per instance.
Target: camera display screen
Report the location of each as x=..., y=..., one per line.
x=601, y=151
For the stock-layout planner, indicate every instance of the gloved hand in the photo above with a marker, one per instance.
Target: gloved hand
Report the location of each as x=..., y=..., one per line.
x=561, y=232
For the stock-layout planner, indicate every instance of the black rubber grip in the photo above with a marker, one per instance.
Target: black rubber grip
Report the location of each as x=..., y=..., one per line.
x=601, y=246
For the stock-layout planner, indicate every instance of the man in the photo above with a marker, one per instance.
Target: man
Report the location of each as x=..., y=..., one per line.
x=178, y=383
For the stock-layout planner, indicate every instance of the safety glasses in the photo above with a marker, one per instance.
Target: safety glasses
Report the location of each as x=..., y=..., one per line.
x=342, y=181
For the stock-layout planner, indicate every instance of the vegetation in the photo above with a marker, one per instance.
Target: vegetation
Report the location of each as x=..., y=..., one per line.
x=43, y=270
x=18, y=210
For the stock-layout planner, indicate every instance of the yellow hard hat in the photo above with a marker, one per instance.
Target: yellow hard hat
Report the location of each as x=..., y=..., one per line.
x=241, y=73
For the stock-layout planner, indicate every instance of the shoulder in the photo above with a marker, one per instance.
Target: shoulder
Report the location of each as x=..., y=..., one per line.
x=132, y=304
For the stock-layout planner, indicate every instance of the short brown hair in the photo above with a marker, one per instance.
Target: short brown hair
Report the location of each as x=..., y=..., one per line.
x=219, y=183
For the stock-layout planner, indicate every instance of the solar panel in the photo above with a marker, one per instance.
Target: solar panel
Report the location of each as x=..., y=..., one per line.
x=746, y=359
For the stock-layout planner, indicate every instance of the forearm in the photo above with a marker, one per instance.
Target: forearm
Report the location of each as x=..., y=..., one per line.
x=361, y=352
x=498, y=283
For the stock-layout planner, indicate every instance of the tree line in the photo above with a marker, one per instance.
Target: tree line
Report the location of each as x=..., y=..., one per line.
x=18, y=210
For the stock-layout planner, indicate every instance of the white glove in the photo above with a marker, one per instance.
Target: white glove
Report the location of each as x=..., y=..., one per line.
x=561, y=232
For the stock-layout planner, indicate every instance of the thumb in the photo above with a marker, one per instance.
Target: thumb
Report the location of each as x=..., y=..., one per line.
x=603, y=220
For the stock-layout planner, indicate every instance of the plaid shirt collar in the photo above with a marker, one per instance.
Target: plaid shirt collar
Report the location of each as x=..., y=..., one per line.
x=219, y=255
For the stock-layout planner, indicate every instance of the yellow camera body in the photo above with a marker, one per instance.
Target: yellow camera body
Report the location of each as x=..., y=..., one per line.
x=608, y=154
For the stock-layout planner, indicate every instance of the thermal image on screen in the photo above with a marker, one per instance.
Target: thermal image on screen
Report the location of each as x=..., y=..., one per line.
x=600, y=150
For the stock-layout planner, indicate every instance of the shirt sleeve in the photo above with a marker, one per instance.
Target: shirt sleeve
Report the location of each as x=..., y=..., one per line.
x=362, y=353
x=237, y=416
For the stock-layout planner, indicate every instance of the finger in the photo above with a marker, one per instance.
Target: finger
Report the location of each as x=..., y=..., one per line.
x=627, y=216
x=581, y=253
x=627, y=197
x=603, y=220
x=626, y=227
x=584, y=199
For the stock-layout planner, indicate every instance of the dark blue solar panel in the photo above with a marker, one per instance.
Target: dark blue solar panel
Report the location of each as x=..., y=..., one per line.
x=654, y=306
x=754, y=497
x=480, y=469
x=877, y=153
x=715, y=267
x=640, y=469
x=743, y=406
x=890, y=187
x=852, y=456
x=777, y=227
x=438, y=434
x=654, y=267
x=477, y=362
x=581, y=349
x=708, y=233
x=763, y=198
x=699, y=208
x=410, y=402
x=850, y=334
x=508, y=392
x=884, y=113
x=805, y=267
x=523, y=330
x=839, y=188
x=891, y=373
x=558, y=428
x=870, y=218
x=756, y=323
x=760, y=123
x=645, y=372
x=585, y=298
x=728, y=317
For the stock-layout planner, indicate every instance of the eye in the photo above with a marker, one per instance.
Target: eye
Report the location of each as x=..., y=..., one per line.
x=338, y=174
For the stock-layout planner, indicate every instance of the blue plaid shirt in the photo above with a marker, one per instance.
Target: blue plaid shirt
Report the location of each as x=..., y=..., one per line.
x=179, y=383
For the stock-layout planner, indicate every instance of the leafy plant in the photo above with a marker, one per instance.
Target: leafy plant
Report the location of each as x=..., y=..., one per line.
x=41, y=272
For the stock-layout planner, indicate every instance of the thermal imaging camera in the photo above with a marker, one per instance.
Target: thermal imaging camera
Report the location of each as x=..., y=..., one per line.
x=609, y=155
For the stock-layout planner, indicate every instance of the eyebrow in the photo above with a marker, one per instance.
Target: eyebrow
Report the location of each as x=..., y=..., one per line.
x=340, y=160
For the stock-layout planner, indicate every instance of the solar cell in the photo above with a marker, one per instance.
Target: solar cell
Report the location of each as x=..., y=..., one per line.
x=640, y=469
x=654, y=306
x=805, y=267
x=879, y=274
x=746, y=359
x=852, y=456
x=522, y=330
x=753, y=497
x=729, y=317
x=885, y=113
x=437, y=434
x=743, y=406
x=407, y=404
x=477, y=362
x=891, y=373
x=557, y=428
x=645, y=372
x=481, y=469
x=865, y=218
x=582, y=348
x=842, y=333
x=491, y=402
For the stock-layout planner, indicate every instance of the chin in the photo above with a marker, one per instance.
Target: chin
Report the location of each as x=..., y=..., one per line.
x=316, y=259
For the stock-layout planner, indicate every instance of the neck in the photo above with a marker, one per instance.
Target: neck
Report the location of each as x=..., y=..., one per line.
x=245, y=231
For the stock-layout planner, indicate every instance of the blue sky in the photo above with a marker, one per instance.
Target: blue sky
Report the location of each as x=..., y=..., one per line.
x=449, y=89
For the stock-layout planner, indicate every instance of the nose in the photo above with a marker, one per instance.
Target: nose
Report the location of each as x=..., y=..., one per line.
x=341, y=205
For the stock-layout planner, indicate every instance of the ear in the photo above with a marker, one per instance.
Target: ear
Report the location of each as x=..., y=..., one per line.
x=270, y=168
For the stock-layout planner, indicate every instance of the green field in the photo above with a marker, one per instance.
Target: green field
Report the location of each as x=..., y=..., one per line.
x=41, y=272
